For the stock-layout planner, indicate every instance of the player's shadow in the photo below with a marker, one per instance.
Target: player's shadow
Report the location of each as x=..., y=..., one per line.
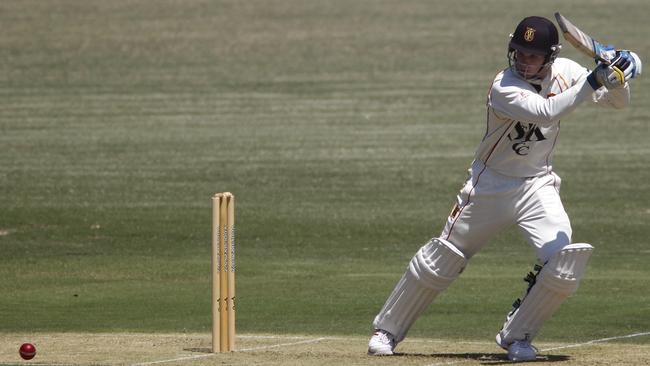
x=485, y=358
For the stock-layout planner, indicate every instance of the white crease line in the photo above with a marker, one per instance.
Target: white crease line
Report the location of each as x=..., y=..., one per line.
x=239, y=350
x=284, y=344
x=174, y=359
x=314, y=340
x=597, y=341
x=447, y=363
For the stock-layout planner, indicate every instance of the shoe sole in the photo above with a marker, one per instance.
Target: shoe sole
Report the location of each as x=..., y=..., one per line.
x=380, y=353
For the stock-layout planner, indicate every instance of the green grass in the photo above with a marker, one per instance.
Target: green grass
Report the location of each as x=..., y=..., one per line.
x=344, y=128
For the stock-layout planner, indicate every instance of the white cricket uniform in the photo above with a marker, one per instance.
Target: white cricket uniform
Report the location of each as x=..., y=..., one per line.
x=511, y=183
x=511, y=178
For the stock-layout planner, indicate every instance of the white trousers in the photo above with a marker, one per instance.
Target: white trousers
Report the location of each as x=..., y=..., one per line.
x=490, y=202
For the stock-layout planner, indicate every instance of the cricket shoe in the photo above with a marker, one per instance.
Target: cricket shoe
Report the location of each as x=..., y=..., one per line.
x=521, y=351
x=381, y=343
x=518, y=350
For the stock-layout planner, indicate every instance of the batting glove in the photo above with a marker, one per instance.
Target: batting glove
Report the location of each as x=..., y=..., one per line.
x=624, y=66
x=628, y=62
x=609, y=76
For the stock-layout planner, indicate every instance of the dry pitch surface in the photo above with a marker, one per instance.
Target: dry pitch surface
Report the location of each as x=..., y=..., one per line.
x=193, y=349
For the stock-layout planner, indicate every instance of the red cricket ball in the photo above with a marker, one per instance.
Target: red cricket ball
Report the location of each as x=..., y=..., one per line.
x=27, y=351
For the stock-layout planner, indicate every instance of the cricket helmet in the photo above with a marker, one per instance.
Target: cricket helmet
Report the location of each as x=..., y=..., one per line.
x=535, y=35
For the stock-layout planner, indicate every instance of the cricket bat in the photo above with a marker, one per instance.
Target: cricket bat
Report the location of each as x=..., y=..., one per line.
x=581, y=40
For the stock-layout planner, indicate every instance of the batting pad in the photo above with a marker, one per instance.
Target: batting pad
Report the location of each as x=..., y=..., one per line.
x=433, y=268
x=558, y=279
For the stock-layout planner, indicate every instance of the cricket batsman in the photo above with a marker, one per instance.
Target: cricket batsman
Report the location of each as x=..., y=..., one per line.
x=512, y=182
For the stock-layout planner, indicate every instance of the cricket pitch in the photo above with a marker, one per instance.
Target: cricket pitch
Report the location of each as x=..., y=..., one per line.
x=194, y=349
